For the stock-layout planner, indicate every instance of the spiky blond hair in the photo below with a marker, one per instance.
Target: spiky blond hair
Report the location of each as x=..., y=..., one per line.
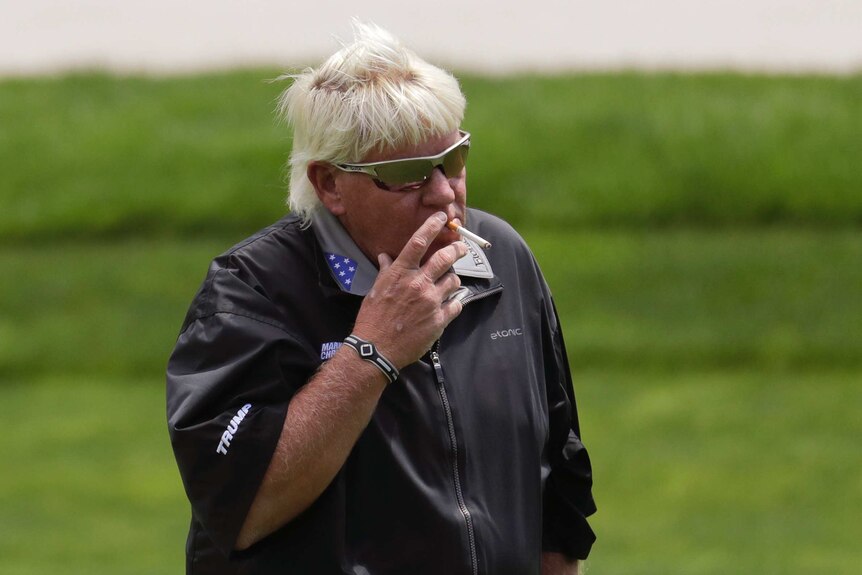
x=373, y=94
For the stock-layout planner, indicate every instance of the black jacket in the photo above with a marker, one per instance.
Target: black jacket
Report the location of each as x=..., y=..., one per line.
x=471, y=466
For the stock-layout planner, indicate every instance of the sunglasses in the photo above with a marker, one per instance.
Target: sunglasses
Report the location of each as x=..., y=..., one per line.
x=411, y=173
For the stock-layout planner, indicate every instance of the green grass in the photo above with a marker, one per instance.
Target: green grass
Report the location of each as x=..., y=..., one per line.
x=661, y=149
x=701, y=234
x=724, y=471
x=111, y=309
x=674, y=299
x=89, y=484
x=103, y=156
x=680, y=299
x=704, y=472
x=100, y=156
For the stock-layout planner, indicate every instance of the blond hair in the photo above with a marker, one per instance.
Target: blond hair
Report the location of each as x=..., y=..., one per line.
x=373, y=94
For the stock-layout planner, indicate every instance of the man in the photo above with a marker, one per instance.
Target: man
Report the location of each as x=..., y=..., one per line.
x=356, y=389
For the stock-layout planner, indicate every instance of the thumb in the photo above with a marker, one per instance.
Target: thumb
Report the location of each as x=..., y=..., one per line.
x=384, y=261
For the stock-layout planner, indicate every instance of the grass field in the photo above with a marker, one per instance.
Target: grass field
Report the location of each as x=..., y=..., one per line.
x=91, y=155
x=702, y=235
x=701, y=472
x=718, y=376
x=672, y=299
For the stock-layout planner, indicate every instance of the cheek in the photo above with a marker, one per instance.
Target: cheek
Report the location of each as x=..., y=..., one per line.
x=391, y=222
x=461, y=192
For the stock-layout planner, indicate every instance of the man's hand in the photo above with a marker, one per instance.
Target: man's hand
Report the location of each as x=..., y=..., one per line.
x=403, y=314
x=408, y=306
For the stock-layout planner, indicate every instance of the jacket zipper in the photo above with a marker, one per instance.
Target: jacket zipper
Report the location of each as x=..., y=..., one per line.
x=478, y=296
x=438, y=373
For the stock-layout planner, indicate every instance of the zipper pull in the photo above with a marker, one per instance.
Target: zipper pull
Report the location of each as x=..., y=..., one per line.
x=438, y=368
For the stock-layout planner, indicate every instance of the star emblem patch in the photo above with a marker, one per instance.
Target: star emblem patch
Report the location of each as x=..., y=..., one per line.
x=343, y=269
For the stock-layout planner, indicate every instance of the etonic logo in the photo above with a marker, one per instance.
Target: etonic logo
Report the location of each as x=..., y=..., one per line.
x=514, y=332
x=232, y=428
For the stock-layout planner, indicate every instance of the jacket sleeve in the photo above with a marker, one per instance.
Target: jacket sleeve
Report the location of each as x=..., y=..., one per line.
x=568, y=499
x=229, y=381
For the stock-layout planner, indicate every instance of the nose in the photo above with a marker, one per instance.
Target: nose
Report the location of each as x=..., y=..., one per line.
x=438, y=191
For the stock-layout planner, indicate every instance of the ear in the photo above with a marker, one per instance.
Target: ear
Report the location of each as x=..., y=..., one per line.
x=323, y=177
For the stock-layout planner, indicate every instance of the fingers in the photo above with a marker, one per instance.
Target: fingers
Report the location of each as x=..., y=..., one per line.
x=451, y=310
x=383, y=261
x=417, y=245
x=440, y=262
x=406, y=293
x=448, y=285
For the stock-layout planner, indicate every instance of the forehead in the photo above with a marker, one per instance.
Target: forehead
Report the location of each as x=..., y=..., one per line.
x=429, y=147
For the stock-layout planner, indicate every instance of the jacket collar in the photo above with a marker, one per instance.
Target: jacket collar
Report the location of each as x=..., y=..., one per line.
x=354, y=273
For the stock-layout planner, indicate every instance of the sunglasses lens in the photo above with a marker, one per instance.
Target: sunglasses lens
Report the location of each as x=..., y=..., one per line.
x=405, y=174
x=454, y=161
x=410, y=174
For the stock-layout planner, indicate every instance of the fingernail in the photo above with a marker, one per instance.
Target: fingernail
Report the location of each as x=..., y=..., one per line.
x=442, y=217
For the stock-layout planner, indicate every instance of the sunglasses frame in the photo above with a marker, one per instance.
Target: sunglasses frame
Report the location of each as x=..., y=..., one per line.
x=437, y=161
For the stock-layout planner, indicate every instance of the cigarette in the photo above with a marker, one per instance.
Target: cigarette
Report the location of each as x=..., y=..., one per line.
x=464, y=232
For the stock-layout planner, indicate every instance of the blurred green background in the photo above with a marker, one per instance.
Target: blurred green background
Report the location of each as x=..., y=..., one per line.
x=702, y=234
